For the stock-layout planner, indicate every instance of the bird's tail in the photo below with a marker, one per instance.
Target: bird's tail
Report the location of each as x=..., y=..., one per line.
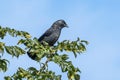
x=32, y=56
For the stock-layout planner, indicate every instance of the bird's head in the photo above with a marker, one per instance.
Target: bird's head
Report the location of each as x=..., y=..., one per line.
x=60, y=24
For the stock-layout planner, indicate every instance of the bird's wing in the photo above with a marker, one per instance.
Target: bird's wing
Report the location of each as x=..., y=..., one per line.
x=46, y=34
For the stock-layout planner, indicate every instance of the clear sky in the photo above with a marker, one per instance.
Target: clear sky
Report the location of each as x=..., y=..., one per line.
x=97, y=21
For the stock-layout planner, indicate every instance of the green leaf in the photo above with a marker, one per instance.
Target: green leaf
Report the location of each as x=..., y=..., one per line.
x=7, y=78
x=84, y=41
x=3, y=65
x=32, y=69
x=2, y=47
x=77, y=77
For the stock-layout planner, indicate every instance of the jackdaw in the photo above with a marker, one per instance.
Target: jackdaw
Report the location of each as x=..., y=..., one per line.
x=51, y=35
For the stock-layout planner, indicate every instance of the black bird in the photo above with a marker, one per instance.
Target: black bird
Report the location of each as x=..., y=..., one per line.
x=51, y=35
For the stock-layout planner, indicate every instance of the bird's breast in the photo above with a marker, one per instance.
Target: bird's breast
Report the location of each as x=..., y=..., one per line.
x=53, y=38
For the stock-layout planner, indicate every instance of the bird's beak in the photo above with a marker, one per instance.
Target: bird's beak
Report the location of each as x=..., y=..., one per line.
x=67, y=26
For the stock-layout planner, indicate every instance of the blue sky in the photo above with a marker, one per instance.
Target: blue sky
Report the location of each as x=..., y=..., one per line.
x=97, y=21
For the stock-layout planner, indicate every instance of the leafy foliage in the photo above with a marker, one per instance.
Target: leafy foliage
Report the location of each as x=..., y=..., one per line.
x=13, y=33
x=33, y=74
x=50, y=53
x=67, y=66
x=14, y=50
